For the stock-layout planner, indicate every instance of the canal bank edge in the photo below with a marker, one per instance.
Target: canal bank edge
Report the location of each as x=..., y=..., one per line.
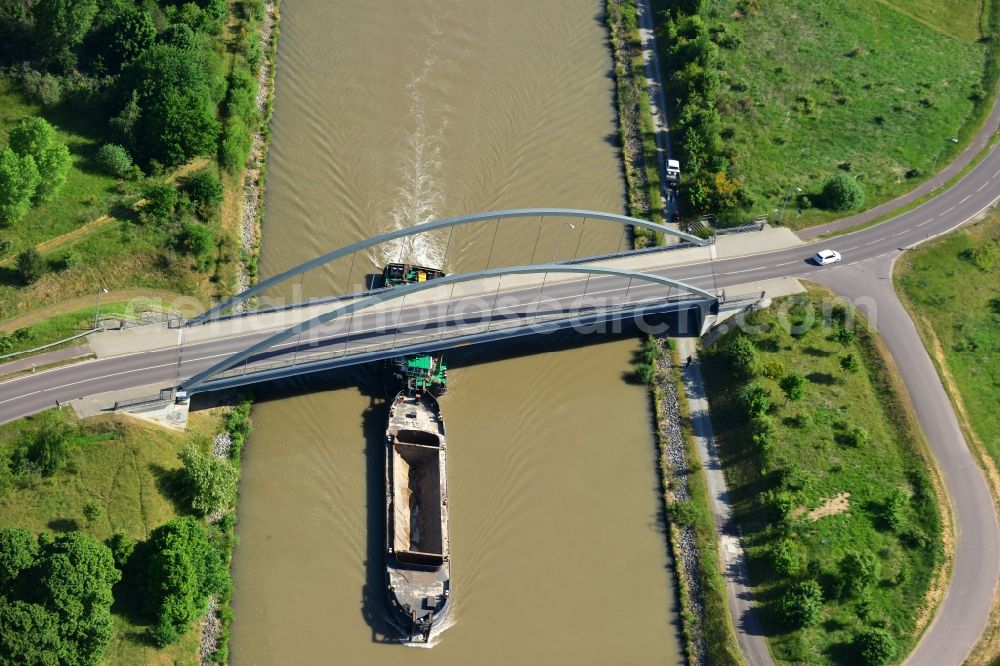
x=251, y=209
x=636, y=131
x=709, y=635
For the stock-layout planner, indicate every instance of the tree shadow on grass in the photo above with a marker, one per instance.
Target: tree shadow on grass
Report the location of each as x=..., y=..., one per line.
x=824, y=378
x=170, y=483
x=128, y=597
x=816, y=352
x=63, y=525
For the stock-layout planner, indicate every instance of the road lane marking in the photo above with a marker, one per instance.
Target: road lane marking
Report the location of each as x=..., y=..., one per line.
x=982, y=187
x=925, y=222
x=946, y=212
x=965, y=199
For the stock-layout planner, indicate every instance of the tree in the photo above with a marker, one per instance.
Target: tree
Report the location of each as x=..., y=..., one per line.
x=801, y=605
x=843, y=335
x=180, y=36
x=132, y=34
x=785, y=558
x=37, y=138
x=114, y=160
x=842, y=192
x=47, y=448
x=18, y=182
x=29, y=634
x=756, y=399
x=742, y=354
x=161, y=201
x=74, y=575
x=875, y=646
x=176, y=94
x=60, y=26
x=18, y=549
x=793, y=385
x=182, y=570
x=645, y=373
x=31, y=265
x=849, y=363
x=205, y=192
x=121, y=547
x=211, y=482
x=892, y=512
x=859, y=570
x=198, y=241
x=92, y=511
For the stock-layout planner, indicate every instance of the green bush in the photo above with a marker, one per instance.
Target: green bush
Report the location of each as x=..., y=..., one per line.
x=892, y=512
x=121, y=547
x=645, y=373
x=210, y=482
x=755, y=399
x=205, y=192
x=161, y=202
x=793, y=385
x=859, y=571
x=46, y=449
x=18, y=181
x=741, y=352
x=875, y=646
x=842, y=192
x=849, y=363
x=985, y=257
x=114, y=160
x=37, y=138
x=784, y=558
x=801, y=605
x=31, y=265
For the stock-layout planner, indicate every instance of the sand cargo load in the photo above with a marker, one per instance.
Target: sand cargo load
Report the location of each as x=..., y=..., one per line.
x=417, y=557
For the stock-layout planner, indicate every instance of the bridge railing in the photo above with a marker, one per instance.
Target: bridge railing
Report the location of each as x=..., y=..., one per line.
x=304, y=357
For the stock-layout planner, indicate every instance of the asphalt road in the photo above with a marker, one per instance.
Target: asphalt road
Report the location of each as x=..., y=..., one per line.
x=868, y=256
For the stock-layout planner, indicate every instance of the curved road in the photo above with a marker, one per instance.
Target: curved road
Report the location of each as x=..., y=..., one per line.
x=865, y=273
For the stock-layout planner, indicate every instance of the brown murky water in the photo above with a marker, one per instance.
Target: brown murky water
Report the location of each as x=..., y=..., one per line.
x=391, y=114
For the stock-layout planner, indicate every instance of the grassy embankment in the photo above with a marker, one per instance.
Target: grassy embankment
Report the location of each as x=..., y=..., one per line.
x=126, y=467
x=636, y=132
x=94, y=220
x=949, y=287
x=840, y=469
x=804, y=90
x=707, y=624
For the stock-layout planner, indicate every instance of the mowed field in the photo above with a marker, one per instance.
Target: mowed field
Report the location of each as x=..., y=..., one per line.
x=877, y=89
x=955, y=300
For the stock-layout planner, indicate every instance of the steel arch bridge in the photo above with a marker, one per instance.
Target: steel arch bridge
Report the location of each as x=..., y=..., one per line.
x=227, y=374
x=449, y=223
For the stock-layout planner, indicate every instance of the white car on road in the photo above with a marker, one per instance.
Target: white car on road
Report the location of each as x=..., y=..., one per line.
x=824, y=257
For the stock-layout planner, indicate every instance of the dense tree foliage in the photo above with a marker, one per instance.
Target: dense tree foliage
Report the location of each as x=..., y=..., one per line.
x=45, y=449
x=175, y=96
x=204, y=191
x=114, y=160
x=60, y=26
x=875, y=646
x=842, y=192
x=37, y=138
x=55, y=599
x=131, y=33
x=183, y=569
x=859, y=571
x=18, y=182
x=18, y=549
x=211, y=482
x=802, y=605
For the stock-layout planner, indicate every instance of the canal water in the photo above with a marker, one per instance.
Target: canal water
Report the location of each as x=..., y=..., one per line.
x=393, y=114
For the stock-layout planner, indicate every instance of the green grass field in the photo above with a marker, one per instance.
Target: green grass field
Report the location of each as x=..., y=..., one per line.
x=812, y=461
x=956, y=305
x=126, y=467
x=877, y=89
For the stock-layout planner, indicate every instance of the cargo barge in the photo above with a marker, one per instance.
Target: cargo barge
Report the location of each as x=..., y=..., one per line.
x=417, y=553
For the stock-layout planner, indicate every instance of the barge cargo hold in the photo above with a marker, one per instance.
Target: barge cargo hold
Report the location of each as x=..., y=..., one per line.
x=417, y=554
